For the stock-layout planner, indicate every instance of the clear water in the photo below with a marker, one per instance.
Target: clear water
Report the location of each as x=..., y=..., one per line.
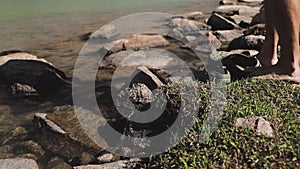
x=19, y=8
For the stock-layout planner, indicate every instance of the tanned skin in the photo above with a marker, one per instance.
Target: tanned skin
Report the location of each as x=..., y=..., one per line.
x=282, y=28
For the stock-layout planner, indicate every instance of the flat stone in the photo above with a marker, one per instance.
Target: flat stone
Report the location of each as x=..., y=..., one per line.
x=149, y=58
x=226, y=36
x=18, y=163
x=50, y=124
x=187, y=26
x=218, y=22
x=137, y=42
x=243, y=10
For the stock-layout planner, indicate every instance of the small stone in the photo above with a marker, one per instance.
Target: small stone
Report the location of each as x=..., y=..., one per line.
x=86, y=158
x=259, y=123
x=18, y=90
x=42, y=117
x=140, y=93
x=106, y=158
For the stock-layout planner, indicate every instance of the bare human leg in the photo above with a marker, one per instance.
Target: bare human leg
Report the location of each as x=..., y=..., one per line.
x=268, y=54
x=285, y=16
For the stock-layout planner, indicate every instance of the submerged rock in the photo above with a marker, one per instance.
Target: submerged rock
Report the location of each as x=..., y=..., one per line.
x=60, y=133
x=31, y=73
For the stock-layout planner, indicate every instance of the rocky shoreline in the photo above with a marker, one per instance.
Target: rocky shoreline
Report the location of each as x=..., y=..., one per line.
x=54, y=138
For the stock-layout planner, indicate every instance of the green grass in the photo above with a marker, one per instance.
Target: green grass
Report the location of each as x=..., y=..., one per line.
x=233, y=147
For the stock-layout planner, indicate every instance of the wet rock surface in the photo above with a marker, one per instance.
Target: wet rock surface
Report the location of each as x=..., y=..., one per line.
x=31, y=73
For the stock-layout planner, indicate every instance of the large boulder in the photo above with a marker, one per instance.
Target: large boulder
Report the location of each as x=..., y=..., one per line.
x=28, y=70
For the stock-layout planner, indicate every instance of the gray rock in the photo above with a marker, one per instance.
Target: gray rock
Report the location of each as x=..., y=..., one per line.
x=218, y=22
x=18, y=163
x=149, y=58
x=243, y=10
x=187, y=26
x=137, y=42
x=226, y=36
x=107, y=32
x=251, y=42
x=115, y=165
x=192, y=16
x=258, y=123
x=27, y=69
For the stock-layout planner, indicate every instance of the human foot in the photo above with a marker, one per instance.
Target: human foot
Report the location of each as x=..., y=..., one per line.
x=275, y=72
